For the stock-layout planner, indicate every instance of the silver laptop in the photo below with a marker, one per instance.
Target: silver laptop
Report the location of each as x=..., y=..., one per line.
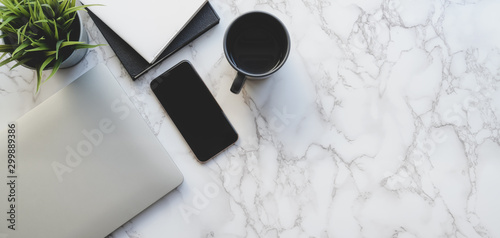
x=85, y=162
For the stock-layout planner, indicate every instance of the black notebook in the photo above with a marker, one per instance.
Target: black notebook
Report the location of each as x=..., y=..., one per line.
x=135, y=65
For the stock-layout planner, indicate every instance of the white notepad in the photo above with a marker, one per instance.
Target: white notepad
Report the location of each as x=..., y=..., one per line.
x=148, y=26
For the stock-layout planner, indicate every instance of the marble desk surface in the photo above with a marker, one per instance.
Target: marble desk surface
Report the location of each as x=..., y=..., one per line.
x=384, y=122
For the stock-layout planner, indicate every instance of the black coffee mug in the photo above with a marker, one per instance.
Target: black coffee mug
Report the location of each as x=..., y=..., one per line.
x=256, y=44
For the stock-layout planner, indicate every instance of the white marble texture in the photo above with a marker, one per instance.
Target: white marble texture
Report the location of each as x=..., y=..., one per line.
x=384, y=122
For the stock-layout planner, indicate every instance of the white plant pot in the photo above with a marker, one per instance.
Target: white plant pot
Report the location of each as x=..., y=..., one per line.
x=78, y=54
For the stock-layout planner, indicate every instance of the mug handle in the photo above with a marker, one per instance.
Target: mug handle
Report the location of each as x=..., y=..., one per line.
x=238, y=83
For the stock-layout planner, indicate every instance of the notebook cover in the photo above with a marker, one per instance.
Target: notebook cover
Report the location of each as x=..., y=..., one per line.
x=134, y=63
x=149, y=26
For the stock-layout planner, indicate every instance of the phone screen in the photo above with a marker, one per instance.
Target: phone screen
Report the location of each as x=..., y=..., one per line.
x=194, y=111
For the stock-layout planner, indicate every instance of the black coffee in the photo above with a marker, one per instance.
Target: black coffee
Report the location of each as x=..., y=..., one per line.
x=257, y=44
x=256, y=50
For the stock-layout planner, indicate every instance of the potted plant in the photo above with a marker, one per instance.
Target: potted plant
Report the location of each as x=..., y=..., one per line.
x=42, y=34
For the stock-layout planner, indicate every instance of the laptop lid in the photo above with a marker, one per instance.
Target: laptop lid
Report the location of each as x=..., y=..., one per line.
x=85, y=163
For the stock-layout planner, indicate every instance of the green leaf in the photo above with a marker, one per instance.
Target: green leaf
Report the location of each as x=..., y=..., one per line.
x=67, y=24
x=86, y=46
x=21, y=33
x=71, y=43
x=21, y=47
x=21, y=62
x=46, y=62
x=6, y=61
x=40, y=69
x=47, y=10
x=58, y=46
x=22, y=10
x=78, y=8
x=55, y=68
x=56, y=32
x=7, y=48
x=11, y=7
x=63, y=6
x=7, y=21
x=3, y=55
x=39, y=48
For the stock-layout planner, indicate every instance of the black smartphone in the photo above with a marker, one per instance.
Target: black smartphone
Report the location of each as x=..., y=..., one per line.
x=194, y=111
